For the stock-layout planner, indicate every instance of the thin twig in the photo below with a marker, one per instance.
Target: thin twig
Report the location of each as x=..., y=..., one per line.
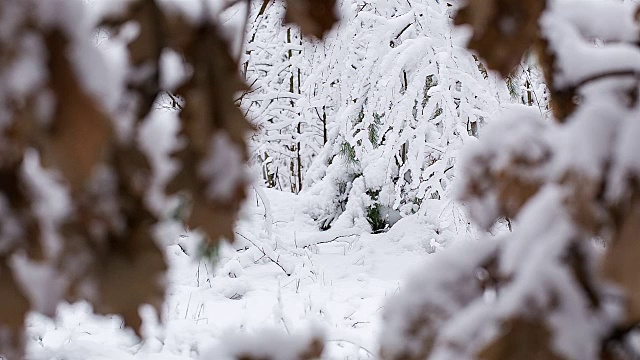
x=328, y=241
x=264, y=253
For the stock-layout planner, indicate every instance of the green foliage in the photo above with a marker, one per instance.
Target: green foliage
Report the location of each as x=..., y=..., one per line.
x=374, y=129
x=208, y=251
x=436, y=113
x=348, y=152
x=512, y=85
x=342, y=198
x=481, y=67
x=360, y=117
x=181, y=211
x=375, y=219
x=374, y=214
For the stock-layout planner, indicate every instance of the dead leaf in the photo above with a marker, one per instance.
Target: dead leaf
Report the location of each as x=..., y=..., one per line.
x=130, y=275
x=145, y=52
x=13, y=312
x=512, y=184
x=80, y=132
x=583, y=201
x=111, y=243
x=522, y=339
x=129, y=266
x=620, y=263
x=314, y=17
x=514, y=191
x=503, y=30
x=209, y=110
x=12, y=188
x=311, y=351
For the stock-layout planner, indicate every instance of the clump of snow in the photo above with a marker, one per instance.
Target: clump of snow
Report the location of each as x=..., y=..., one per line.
x=601, y=20
x=441, y=288
x=419, y=234
x=51, y=201
x=223, y=168
x=25, y=70
x=173, y=69
x=517, y=142
x=157, y=138
x=565, y=28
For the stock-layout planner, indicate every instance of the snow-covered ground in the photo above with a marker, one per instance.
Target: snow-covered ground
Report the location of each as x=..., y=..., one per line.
x=282, y=274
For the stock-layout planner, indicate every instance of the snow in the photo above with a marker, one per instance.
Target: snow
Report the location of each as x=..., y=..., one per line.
x=42, y=284
x=223, y=168
x=338, y=287
x=158, y=139
x=27, y=72
x=173, y=70
x=24, y=70
x=518, y=135
x=602, y=19
x=427, y=296
x=571, y=32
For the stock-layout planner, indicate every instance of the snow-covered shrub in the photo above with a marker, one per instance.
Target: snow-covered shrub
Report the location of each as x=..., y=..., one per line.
x=403, y=96
x=544, y=291
x=271, y=66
